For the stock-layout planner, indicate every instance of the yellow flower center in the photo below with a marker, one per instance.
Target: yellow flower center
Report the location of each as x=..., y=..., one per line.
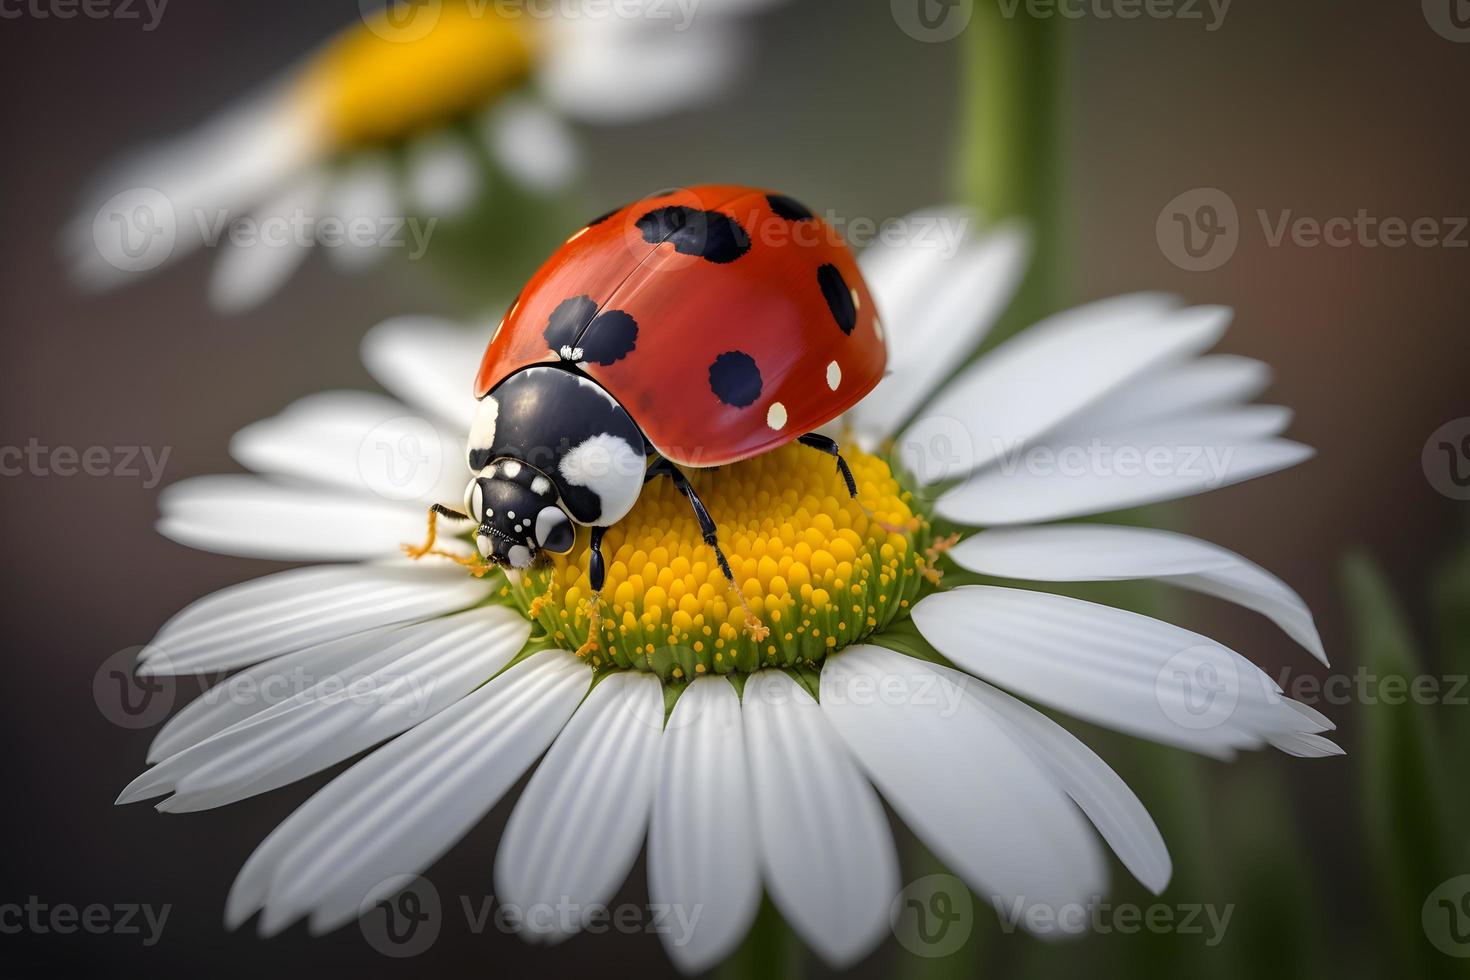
x=411, y=67
x=817, y=568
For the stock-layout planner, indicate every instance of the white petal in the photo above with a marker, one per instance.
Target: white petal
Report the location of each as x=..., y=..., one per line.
x=1129, y=672
x=404, y=805
x=303, y=608
x=1044, y=376
x=1101, y=793
x=611, y=71
x=255, y=518
x=577, y=829
x=406, y=676
x=962, y=779
x=826, y=850
x=934, y=330
x=248, y=692
x=1100, y=553
x=533, y=145
x=702, y=857
x=1306, y=746
x=364, y=195
x=428, y=362
x=1115, y=471
x=246, y=275
x=1200, y=385
x=369, y=445
x=444, y=177
x=202, y=180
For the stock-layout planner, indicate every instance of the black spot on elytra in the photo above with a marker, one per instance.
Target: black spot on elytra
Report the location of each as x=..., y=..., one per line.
x=788, y=208
x=735, y=379
x=708, y=234
x=567, y=321
x=839, y=297
x=609, y=337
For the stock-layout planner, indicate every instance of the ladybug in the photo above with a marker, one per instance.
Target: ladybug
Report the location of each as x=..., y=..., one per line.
x=694, y=328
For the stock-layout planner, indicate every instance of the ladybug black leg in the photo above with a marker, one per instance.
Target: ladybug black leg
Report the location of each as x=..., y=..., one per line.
x=822, y=444
x=711, y=536
x=596, y=575
x=596, y=567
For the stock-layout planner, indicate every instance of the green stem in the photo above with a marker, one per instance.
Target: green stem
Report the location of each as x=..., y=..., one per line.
x=769, y=952
x=1013, y=154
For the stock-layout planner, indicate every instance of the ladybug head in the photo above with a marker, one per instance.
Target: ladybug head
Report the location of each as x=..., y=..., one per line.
x=516, y=508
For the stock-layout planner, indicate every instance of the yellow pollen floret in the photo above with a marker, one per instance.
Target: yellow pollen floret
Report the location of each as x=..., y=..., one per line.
x=397, y=74
x=802, y=552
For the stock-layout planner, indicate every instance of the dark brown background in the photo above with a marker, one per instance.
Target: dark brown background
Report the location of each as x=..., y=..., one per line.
x=1319, y=106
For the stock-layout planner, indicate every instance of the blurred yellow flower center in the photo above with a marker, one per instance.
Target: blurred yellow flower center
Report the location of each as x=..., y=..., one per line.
x=812, y=564
x=414, y=66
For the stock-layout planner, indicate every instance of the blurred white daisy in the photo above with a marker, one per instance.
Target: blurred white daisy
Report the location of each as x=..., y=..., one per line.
x=412, y=115
x=746, y=765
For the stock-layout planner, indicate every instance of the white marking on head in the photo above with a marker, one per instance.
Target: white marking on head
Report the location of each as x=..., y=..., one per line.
x=482, y=429
x=776, y=416
x=474, y=499
x=485, y=545
x=519, y=556
x=610, y=468
x=834, y=375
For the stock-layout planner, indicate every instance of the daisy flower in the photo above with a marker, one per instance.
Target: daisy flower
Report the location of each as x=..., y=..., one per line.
x=418, y=112
x=907, y=654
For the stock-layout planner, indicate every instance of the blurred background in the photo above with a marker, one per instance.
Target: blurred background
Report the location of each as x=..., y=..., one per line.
x=1314, y=109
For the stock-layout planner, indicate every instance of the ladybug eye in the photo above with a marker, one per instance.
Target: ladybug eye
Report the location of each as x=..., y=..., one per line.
x=474, y=501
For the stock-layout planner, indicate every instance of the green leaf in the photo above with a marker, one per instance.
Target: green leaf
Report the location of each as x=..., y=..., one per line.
x=1404, y=789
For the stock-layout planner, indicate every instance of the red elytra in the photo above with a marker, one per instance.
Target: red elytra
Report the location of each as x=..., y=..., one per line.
x=794, y=301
